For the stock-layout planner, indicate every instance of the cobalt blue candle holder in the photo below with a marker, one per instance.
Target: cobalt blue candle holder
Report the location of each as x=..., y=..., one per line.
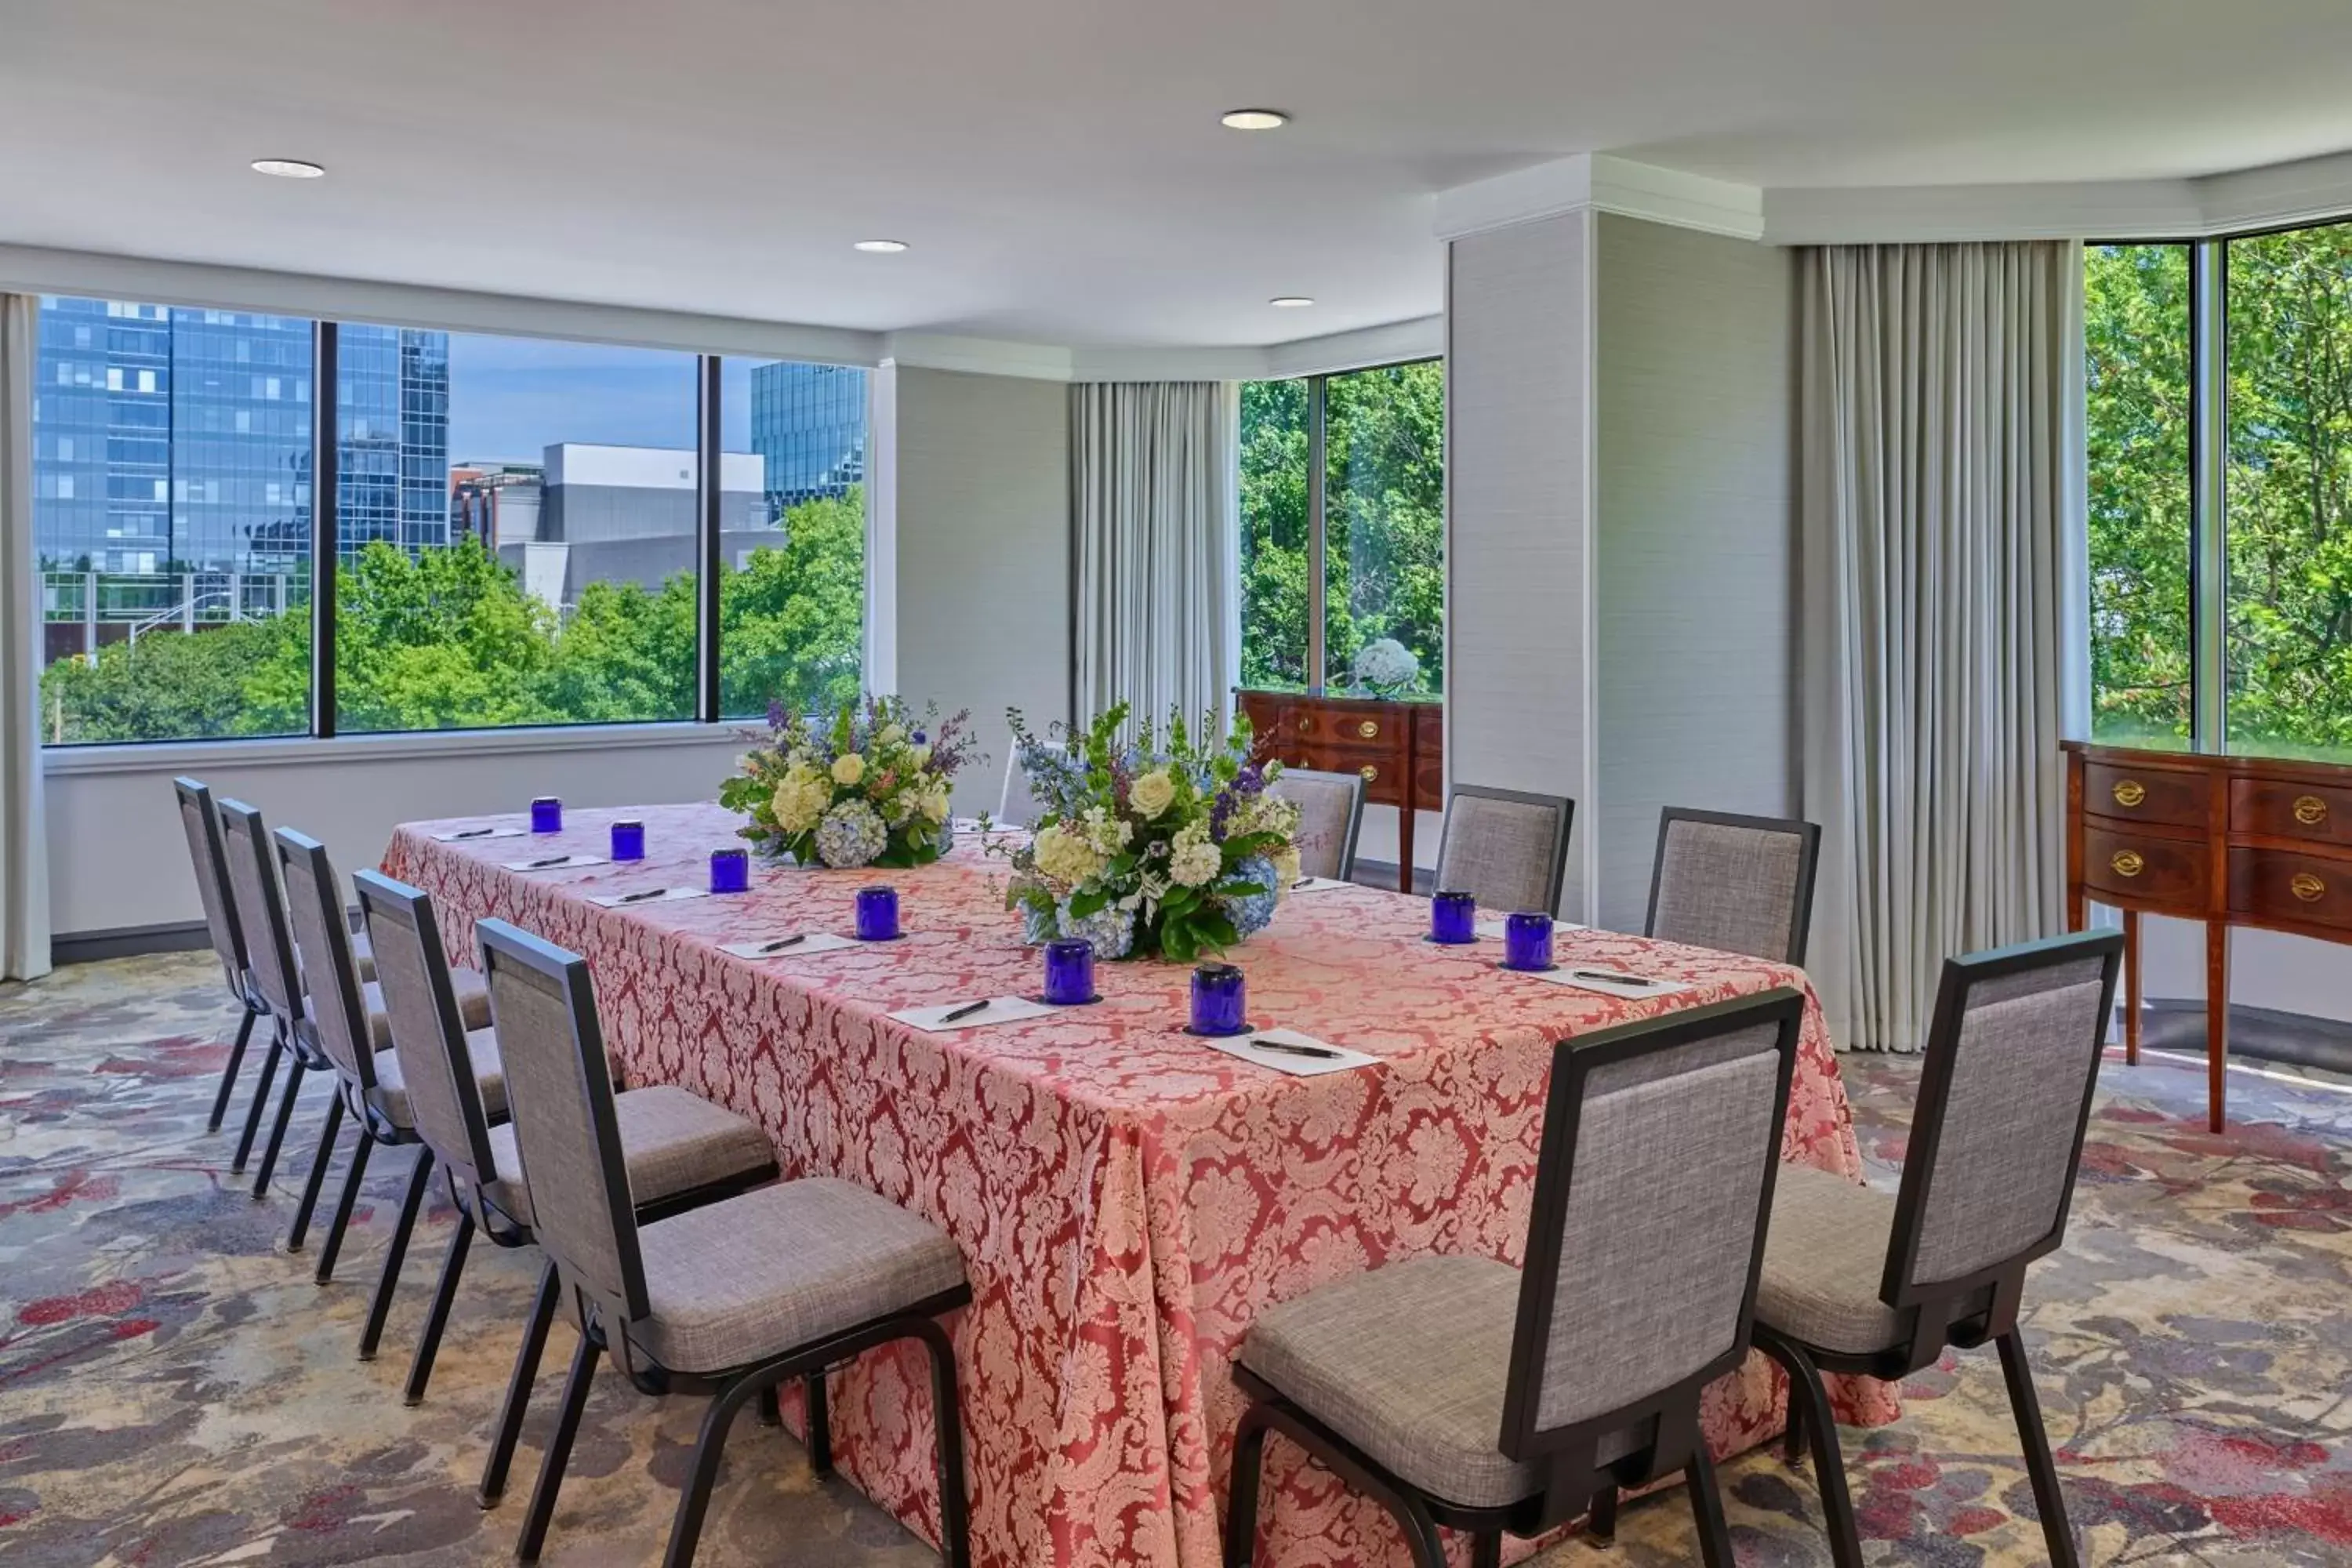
x=1069, y=971
x=547, y=815
x=1453, y=919
x=1526, y=941
x=731, y=870
x=1220, y=1000
x=628, y=841
x=877, y=914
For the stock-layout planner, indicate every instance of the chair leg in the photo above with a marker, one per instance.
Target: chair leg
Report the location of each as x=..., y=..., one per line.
x=293, y=1091
x=1600, y=1519
x=820, y=1424
x=260, y=1103
x=340, y=1221
x=2048, y=1501
x=946, y=1414
x=1241, y=1490
x=694, y=1503
x=559, y=1451
x=1707, y=1507
x=228, y=1073
x=517, y=1399
x=428, y=1345
x=771, y=1413
x=1793, y=1441
x=1809, y=1403
x=296, y=1232
x=419, y=1178
x=1487, y=1549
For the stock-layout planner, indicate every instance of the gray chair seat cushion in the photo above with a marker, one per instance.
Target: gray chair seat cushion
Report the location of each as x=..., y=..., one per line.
x=783, y=1267
x=1408, y=1363
x=674, y=1140
x=1824, y=1258
x=472, y=1005
x=489, y=1072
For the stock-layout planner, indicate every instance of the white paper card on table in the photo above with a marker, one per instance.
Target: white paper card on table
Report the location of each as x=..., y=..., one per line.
x=467, y=834
x=556, y=862
x=1601, y=978
x=1493, y=929
x=1000, y=1010
x=648, y=896
x=1296, y=1064
x=814, y=942
x=1318, y=884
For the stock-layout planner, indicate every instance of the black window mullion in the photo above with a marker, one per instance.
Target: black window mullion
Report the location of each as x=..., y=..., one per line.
x=325, y=525
x=709, y=490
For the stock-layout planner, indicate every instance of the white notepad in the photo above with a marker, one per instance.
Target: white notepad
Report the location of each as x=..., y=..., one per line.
x=469, y=835
x=1000, y=1010
x=1589, y=977
x=648, y=896
x=1318, y=884
x=1283, y=1061
x=815, y=942
x=557, y=862
x=1493, y=929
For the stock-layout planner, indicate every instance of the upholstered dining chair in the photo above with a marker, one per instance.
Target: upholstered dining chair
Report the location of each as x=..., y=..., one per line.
x=729, y=1300
x=1859, y=1280
x=1017, y=807
x=201, y=821
x=1736, y=884
x=1463, y=1392
x=680, y=1149
x=1507, y=848
x=1331, y=813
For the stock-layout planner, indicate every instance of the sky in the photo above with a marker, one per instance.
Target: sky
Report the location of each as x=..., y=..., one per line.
x=510, y=398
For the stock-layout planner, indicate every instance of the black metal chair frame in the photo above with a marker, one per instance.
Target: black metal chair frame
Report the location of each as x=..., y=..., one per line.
x=1355, y=784
x=1807, y=834
x=604, y=1321
x=1563, y=808
x=1964, y=1313
x=287, y=1036
x=194, y=794
x=1576, y=1481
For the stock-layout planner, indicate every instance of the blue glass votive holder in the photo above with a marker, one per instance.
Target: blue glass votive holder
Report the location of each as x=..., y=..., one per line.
x=1453, y=919
x=877, y=914
x=547, y=815
x=1220, y=1000
x=731, y=870
x=1526, y=941
x=1069, y=971
x=628, y=841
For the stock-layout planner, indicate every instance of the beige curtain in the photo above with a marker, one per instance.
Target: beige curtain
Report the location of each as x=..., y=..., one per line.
x=1941, y=443
x=24, y=843
x=1154, y=485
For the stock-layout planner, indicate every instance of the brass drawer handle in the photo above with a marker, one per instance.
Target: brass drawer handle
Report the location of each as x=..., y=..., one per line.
x=1368, y=772
x=2307, y=888
x=1305, y=724
x=2127, y=863
x=1368, y=729
x=2129, y=793
x=2311, y=811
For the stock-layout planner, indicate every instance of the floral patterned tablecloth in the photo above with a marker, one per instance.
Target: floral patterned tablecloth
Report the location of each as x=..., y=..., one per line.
x=1126, y=1199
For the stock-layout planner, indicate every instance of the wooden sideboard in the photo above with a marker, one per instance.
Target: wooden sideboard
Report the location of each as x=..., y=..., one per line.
x=2228, y=840
x=1395, y=747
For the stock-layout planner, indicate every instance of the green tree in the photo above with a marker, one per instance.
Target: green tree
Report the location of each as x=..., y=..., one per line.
x=792, y=622
x=1274, y=535
x=1384, y=515
x=442, y=639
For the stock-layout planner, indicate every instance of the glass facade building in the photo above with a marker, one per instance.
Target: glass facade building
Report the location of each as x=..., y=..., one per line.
x=808, y=425
x=393, y=406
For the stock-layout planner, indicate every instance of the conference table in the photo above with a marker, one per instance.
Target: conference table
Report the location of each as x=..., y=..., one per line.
x=1126, y=1198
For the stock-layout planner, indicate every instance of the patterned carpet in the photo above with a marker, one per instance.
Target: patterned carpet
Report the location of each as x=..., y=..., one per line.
x=175, y=1391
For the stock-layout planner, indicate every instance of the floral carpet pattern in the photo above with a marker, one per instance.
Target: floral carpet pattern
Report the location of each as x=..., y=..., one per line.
x=175, y=1390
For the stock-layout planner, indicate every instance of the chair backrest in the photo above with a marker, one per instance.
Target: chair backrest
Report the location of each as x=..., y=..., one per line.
x=1736, y=884
x=201, y=821
x=337, y=1015
x=1330, y=815
x=260, y=910
x=428, y=1033
x=1507, y=848
x=1018, y=808
x=560, y=1093
x=2004, y=1096
x=1645, y=1239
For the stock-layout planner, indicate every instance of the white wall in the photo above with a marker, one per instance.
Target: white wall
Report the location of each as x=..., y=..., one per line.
x=2267, y=969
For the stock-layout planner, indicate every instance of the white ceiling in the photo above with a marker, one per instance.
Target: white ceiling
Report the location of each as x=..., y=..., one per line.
x=1056, y=164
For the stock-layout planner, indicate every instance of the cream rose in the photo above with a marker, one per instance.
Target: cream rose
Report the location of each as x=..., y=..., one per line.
x=848, y=768
x=1065, y=857
x=800, y=802
x=1152, y=794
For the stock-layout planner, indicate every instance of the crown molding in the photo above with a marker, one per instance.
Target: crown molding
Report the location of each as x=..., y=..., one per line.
x=1422, y=338
x=1604, y=182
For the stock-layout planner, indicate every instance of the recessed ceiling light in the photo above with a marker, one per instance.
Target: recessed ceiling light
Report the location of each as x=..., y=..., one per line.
x=1290, y=301
x=1253, y=119
x=881, y=247
x=289, y=168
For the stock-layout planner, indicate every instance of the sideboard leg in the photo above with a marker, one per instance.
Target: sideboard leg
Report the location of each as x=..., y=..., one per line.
x=2217, y=1021
x=2131, y=988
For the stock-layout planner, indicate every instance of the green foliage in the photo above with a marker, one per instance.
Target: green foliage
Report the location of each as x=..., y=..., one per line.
x=448, y=639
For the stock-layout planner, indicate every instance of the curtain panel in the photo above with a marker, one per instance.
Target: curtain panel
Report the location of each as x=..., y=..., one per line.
x=1942, y=437
x=1156, y=557
x=24, y=842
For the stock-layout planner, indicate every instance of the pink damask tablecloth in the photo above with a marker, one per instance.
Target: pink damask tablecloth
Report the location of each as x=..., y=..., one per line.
x=1126, y=1199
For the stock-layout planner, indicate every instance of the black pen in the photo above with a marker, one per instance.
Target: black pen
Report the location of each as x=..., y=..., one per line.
x=543, y=865
x=1323, y=1053
x=782, y=943
x=641, y=897
x=1611, y=976
x=966, y=1011
x=472, y=833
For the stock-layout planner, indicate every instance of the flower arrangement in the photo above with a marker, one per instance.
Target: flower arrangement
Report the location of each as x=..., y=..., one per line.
x=1387, y=666
x=1164, y=845
x=867, y=785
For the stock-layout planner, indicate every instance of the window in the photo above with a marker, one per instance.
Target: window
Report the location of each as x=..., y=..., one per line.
x=518, y=529
x=1372, y=520
x=2221, y=605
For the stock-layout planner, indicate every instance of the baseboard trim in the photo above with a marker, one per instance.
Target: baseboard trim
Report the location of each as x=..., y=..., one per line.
x=129, y=941
x=2263, y=1033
